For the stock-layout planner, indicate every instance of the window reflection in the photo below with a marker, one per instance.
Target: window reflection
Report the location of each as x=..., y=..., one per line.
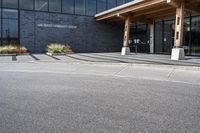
x=26, y=4
x=10, y=3
x=111, y=3
x=41, y=5
x=68, y=6
x=101, y=5
x=120, y=2
x=55, y=5
x=90, y=7
x=79, y=7
x=159, y=37
x=195, y=34
x=10, y=27
x=8, y=13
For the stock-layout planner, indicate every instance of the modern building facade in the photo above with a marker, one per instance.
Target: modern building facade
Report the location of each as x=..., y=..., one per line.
x=37, y=23
x=165, y=36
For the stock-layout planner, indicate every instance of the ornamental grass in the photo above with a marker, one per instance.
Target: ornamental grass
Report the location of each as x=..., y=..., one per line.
x=10, y=49
x=56, y=48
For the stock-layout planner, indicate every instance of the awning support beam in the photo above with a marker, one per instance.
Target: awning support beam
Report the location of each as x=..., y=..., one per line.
x=178, y=51
x=126, y=49
x=178, y=37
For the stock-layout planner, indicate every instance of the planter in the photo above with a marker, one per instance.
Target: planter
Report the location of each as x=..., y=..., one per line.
x=57, y=54
x=14, y=54
x=23, y=53
x=13, y=51
x=8, y=54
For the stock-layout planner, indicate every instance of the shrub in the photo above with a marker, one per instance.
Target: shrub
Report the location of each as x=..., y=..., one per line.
x=58, y=48
x=9, y=49
x=21, y=50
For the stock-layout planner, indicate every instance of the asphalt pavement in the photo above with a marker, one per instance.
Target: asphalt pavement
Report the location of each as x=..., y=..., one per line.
x=98, y=97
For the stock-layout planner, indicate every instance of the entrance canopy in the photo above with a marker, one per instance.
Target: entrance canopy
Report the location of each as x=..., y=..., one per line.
x=147, y=10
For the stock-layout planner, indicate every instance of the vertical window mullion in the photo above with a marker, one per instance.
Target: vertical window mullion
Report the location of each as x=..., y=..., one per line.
x=61, y=6
x=48, y=6
x=1, y=25
x=84, y=7
x=34, y=5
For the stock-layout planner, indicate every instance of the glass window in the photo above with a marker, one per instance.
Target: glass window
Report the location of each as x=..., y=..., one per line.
x=195, y=34
x=10, y=3
x=80, y=7
x=10, y=14
x=10, y=27
x=41, y=5
x=68, y=6
x=90, y=7
x=158, y=37
x=0, y=30
x=10, y=31
x=168, y=36
x=120, y=2
x=55, y=5
x=101, y=5
x=186, y=36
x=128, y=1
x=111, y=4
x=26, y=4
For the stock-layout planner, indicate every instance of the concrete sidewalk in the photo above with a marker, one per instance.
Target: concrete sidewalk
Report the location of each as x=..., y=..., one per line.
x=104, y=57
x=186, y=74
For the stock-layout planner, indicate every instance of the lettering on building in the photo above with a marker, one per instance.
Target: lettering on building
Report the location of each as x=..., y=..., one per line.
x=57, y=26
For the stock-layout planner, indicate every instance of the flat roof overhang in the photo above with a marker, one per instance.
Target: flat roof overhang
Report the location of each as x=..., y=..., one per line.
x=147, y=10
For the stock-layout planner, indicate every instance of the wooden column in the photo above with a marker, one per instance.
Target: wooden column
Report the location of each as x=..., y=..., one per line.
x=126, y=31
x=179, y=25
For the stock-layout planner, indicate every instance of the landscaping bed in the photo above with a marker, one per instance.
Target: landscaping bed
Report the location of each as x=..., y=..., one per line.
x=13, y=50
x=58, y=49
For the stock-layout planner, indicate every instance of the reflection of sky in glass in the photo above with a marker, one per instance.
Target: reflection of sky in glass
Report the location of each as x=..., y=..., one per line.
x=41, y=5
x=10, y=3
x=10, y=28
x=101, y=5
x=79, y=7
x=9, y=25
x=9, y=13
x=26, y=4
x=68, y=6
x=55, y=5
x=90, y=7
x=120, y=2
x=111, y=3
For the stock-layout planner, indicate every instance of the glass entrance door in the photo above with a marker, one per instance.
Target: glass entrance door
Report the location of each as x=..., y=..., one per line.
x=164, y=36
x=139, y=37
x=168, y=36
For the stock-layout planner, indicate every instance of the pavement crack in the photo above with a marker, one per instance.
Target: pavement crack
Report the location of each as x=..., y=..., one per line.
x=170, y=74
x=121, y=70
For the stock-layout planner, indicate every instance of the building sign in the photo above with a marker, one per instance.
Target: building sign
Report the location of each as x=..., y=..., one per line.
x=57, y=26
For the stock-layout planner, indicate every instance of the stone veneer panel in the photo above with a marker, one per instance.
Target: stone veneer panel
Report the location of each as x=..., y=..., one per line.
x=88, y=36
